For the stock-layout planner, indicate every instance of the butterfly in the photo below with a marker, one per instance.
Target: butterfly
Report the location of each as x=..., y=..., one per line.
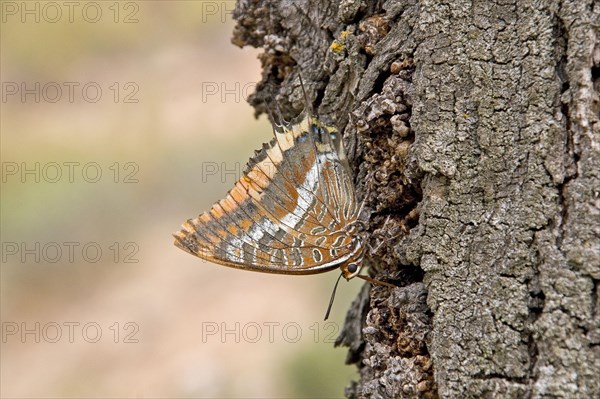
x=293, y=211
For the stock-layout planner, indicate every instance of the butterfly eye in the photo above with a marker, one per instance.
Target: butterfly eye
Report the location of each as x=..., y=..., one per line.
x=352, y=267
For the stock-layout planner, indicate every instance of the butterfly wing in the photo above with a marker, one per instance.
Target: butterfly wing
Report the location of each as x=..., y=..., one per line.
x=289, y=212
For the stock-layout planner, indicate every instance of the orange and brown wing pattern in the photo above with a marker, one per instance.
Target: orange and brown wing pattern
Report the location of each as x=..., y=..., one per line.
x=290, y=212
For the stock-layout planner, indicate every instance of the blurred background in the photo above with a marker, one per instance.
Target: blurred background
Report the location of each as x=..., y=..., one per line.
x=120, y=120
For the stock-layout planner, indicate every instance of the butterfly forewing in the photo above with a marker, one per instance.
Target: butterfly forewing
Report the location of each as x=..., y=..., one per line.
x=289, y=213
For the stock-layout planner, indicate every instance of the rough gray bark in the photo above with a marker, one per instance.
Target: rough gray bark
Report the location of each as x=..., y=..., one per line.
x=474, y=126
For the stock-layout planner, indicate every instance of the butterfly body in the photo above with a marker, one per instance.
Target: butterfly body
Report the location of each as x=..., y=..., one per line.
x=293, y=211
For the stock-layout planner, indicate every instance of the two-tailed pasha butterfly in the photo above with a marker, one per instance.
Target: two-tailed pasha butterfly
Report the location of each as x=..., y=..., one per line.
x=293, y=211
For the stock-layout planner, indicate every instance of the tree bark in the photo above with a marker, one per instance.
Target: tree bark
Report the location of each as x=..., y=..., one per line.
x=473, y=129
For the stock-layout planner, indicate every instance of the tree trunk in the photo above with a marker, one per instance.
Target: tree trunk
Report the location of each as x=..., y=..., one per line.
x=473, y=128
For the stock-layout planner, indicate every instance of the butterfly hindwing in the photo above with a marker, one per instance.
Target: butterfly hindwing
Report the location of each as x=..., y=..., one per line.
x=288, y=213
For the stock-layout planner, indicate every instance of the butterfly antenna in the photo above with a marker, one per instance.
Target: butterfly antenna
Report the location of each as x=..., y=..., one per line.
x=282, y=121
x=372, y=281
x=273, y=121
x=362, y=203
x=332, y=297
x=308, y=105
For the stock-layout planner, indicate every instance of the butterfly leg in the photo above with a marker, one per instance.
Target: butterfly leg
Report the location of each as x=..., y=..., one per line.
x=375, y=281
x=383, y=238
